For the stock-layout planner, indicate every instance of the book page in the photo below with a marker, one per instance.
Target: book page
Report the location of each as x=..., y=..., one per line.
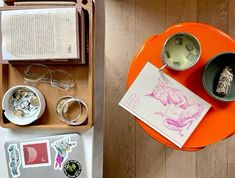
x=39, y=34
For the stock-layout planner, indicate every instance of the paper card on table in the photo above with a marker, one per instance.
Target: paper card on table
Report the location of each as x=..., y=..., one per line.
x=164, y=104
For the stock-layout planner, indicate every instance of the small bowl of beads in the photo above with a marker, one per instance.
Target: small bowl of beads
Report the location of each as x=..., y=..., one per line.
x=23, y=104
x=218, y=77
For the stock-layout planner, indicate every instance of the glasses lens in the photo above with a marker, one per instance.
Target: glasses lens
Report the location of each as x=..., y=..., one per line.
x=35, y=72
x=62, y=79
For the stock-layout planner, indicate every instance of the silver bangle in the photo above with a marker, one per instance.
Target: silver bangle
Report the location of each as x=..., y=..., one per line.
x=63, y=107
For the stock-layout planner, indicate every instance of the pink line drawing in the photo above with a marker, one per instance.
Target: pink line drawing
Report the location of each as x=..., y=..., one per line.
x=169, y=96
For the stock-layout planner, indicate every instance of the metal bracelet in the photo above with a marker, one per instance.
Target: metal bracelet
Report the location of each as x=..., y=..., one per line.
x=63, y=107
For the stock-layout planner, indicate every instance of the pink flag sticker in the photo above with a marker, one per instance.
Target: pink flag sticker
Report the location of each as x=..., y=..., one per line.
x=35, y=154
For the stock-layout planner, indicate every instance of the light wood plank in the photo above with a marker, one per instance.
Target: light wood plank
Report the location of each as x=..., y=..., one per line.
x=214, y=12
x=180, y=11
x=231, y=157
x=150, y=19
x=212, y=161
x=180, y=164
x=231, y=140
x=150, y=155
x=232, y=18
x=119, y=146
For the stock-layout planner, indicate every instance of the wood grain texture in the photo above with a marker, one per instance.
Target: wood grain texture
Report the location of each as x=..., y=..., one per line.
x=180, y=164
x=180, y=11
x=231, y=157
x=231, y=140
x=232, y=18
x=214, y=12
x=150, y=19
x=212, y=161
x=150, y=156
x=119, y=143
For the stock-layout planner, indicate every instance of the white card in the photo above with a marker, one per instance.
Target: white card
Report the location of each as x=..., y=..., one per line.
x=164, y=104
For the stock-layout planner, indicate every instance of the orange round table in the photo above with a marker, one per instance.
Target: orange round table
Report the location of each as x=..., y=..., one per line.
x=219, y=122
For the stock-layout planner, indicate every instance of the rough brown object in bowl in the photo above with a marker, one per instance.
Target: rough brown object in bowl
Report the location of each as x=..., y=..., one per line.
x=225, y=81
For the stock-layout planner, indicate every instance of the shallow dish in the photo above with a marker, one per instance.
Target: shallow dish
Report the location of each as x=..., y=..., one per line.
x=212, y=72
x=23, y=104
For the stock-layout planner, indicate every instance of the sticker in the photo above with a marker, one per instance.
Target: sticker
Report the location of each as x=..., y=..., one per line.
x=15, y=162
x=72, y=169
x=62, y=148
x=35, y=154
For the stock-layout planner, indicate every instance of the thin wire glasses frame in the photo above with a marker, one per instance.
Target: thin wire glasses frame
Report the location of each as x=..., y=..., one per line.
x=48, y=76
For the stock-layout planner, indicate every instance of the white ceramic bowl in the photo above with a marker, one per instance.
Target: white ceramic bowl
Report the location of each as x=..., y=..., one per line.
x=23, y=120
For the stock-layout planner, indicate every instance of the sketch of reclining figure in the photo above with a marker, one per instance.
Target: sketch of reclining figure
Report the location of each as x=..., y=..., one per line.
x=181, y=112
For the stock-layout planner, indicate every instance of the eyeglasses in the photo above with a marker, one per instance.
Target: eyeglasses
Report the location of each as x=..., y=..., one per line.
x=39, y=73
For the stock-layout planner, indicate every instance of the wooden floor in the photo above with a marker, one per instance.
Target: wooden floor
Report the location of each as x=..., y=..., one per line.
x=128, y=151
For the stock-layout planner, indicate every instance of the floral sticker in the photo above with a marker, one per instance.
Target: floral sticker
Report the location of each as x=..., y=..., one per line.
x=62, y=148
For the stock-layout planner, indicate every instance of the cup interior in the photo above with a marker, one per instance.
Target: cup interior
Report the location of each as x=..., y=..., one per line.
x=181, y=51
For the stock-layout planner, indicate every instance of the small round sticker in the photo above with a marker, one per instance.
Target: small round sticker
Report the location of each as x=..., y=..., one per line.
x=72, y=169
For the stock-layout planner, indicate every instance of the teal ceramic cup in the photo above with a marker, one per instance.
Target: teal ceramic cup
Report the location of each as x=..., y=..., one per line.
x=211, y=74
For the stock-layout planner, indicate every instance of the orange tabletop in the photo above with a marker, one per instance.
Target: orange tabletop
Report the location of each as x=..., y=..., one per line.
x=219, y=122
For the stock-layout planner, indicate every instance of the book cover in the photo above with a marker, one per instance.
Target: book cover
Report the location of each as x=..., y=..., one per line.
x=164, y=104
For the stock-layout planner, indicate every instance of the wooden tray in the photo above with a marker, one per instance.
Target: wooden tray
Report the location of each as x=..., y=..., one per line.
x=83, y=76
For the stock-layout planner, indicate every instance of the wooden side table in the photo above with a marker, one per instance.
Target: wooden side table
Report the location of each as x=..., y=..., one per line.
x=219, y=122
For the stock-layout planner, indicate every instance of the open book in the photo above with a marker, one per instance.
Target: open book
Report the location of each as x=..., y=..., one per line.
x=39, y=34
